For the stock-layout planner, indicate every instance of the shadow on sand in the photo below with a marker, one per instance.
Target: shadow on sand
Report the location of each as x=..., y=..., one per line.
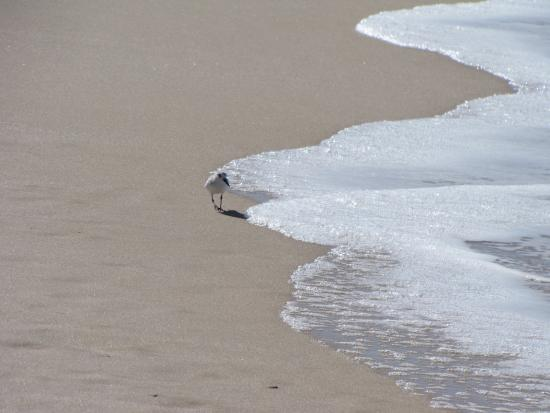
x=234, y=214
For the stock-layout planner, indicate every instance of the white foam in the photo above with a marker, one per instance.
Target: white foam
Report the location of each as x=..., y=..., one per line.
x=397, y=200
x=438, y=279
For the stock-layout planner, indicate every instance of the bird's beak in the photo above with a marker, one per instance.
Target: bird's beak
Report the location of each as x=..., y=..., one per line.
x=227, y=182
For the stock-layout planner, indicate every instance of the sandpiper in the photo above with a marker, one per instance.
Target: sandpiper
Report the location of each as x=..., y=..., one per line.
x=217, y=183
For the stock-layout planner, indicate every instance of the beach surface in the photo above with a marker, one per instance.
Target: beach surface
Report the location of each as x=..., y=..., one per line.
x=123, y=290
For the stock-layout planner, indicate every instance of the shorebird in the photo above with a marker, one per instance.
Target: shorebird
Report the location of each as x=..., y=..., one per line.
x=217, y=183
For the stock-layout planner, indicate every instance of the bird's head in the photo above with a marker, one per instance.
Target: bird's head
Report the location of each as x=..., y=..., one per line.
x=223, y=176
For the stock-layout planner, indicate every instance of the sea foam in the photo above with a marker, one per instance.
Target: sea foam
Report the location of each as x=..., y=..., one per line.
x=403, y=203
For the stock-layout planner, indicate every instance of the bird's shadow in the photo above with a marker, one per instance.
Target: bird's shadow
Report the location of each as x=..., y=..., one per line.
x=234, y=214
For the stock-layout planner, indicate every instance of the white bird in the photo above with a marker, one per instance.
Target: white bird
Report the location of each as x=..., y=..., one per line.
x=217, y=183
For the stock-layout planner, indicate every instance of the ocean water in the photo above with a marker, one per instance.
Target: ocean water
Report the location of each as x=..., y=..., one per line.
x=439, y=272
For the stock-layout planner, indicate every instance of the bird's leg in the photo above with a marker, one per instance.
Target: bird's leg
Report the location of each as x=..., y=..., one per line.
x=221, y=199
x=214, y=203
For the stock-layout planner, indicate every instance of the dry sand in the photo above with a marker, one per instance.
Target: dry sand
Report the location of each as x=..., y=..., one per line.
x=122, y=290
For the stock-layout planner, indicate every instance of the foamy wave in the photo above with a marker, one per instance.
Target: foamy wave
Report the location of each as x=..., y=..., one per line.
x=398, y=201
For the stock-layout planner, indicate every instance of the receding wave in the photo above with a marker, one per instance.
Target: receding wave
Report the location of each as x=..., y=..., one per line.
x=440, y=227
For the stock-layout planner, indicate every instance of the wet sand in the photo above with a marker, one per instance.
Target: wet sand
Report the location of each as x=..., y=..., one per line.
x=123, y=290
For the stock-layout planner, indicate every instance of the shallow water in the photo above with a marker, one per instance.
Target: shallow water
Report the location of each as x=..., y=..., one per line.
x=417, y=354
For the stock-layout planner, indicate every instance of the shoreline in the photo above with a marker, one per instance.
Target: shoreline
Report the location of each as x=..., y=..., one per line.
x=125, y=291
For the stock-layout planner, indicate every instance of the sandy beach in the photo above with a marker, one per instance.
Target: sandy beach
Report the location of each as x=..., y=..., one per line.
x=123, y=290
